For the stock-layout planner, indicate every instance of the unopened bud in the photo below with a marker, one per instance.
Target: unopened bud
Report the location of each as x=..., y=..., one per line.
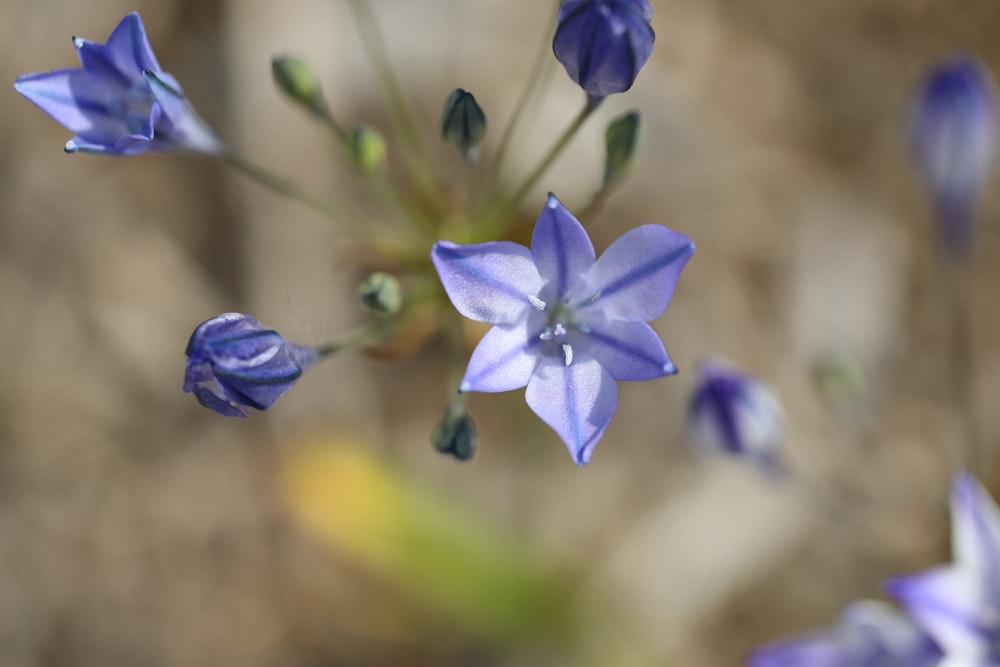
x=620, y=141
x=463, y=122
x=296, y=80
x=381, y=293
x=367, y=146
x=456, y=434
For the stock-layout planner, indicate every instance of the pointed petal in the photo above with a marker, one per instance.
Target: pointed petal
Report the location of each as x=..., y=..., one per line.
x=577, y=401
x=214, y=398
x=129, y=50
x=95, y=59
x=560, y=246
x=502, y=361
x=74, y=99
x=628, y=350
x=636, y=275
x=943, y=601
x=488, y=282
x=180, y=122
x=976, y=533
x=818, y=649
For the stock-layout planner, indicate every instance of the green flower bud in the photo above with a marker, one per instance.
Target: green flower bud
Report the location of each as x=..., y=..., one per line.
x=463, y=122
x=620, y=141
x=456, y=434
x=296, y=80
x=381, y=293
x=367, y=147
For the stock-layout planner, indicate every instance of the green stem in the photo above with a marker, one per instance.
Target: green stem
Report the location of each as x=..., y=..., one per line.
x=362, y=337
x=963, y=362
x=496, y=219
x=415, y=153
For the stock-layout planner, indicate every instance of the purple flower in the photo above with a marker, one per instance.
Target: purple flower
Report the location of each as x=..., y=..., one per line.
x=959, y=604
x=870, y=634
x=235, y=363
x=119, y=102
x=604, y=43
x=567, y=324
x=735, y=414
x=953, y=137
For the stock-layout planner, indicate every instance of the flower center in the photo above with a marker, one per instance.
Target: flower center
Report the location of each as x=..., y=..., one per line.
x=559, y=327
x=133, y=106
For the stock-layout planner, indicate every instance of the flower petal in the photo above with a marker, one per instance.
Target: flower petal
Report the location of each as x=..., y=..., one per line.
x=943, y=601
x=976, y=533
x=636, y=275
x=628, y=350
x=488, y=282
x=213, y=396
x=95, y=59
x=560, y=247
x=74, y=99
x=577, y=401
x=502, y=361
x=129, y=50
x=180, y=123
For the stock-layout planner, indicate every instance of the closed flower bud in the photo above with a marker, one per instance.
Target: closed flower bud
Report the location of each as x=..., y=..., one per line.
x=381, y=293
x=235, y=363
x=604, y=43
x=463, y=122
x=620, y=141
x=953, y=141
x=456, y=435
x=297, y=80
x=367, y=147
x=735, y=414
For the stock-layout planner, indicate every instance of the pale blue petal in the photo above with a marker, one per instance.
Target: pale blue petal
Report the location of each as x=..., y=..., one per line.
x=628, y=350
x=95, y=59
x=577, y=401
x=636, y=275
x=488, y=282
x=129, y=50
x=72, y=98
x=976, y=533
x=502, y=361
x=181, y=123
x=944, y=601
x=561, y=248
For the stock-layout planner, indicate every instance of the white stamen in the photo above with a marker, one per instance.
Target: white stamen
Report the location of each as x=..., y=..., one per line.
x=536, y=302
x=567, y=353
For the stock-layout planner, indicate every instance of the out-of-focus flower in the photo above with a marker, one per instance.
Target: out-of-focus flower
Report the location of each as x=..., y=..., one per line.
x=120, y=102
x=959, y=604
x=235, y=363
x=604, y=43
x=870, y=634
x=381, y=293
x=296, y=79
x=463, y=123
x=734, y=413
x=567, y=323
x=953, y=140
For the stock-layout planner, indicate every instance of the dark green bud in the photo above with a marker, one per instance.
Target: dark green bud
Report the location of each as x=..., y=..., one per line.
x=620, y=141
x=456, y=434
x=463, y=122
x=367, y=146
x=381, y=293
x=296, y=80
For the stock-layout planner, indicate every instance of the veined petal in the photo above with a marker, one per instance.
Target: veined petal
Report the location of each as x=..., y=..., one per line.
x=180, y=122
x=502, y=361
x=560, y=247
x=129, y=50
x=628, y=350
x=943, y=601
x=577, y=401
x=636, y=275
x=976, y=534
x=488, y=282
x=95, y=59
x=72, y=98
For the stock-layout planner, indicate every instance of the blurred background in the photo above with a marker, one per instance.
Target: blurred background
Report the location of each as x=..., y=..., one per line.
x=138, y=528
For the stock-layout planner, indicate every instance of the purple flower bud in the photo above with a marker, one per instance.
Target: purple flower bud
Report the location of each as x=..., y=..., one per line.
x=604, y=43
x=734, y=413
x=235, y=363
x=953, y=138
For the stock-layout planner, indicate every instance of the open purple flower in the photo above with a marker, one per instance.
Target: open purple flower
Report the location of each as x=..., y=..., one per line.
x=235, y=363
x=953, y=141
x=120, y=102
x=604, y=43
x=568, y=324
x=735, y=414
x=959, y=604
x=869, y=634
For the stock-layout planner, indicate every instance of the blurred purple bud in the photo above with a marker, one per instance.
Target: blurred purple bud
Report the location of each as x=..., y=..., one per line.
x=733, y=413
x=604, y=43
x=953, y=137
x=235, y=363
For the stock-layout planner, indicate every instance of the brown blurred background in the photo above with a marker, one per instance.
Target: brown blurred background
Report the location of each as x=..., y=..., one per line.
x=137, y=528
